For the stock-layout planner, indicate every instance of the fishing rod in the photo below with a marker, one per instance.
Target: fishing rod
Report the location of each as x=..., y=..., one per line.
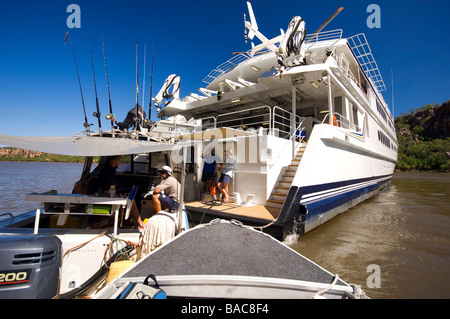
x=137, y=85
x=109, y=116
x=143, y=84
x=144, y=121
x=151, y=86
x=86, y=124
x=96, y=114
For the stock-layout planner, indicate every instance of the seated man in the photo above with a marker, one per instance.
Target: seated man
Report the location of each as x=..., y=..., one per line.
x=171, y=188
x=101, y=180
x=161, y=227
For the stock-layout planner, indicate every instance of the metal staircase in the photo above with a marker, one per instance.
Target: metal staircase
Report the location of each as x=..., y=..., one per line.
x=280, y=192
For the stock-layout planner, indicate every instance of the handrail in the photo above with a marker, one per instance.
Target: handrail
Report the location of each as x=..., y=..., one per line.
x=287, y=118
x=218, y=123
x=281, y=153
x=323, y=36
x=339, y=121
x=298, y=129
x=291, y=136
x=225, y=67
x=209, y=117
x=344, y=67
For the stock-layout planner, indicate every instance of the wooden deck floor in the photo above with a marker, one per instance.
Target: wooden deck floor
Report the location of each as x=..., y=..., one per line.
x=254, y=211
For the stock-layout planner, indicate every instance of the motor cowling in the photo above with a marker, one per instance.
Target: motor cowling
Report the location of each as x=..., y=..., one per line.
x=29, y=266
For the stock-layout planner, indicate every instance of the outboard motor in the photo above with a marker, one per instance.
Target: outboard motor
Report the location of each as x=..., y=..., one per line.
x=29, y=266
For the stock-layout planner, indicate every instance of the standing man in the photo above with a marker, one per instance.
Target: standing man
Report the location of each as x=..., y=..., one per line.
x=209, y=168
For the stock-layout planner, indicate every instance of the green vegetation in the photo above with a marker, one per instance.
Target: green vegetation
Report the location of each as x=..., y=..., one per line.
x=423, y=137
x=44, y=157
x=12, y=154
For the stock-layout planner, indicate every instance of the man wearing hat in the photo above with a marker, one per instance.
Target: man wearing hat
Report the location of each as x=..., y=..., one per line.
x=161, y=227
x=171, y=188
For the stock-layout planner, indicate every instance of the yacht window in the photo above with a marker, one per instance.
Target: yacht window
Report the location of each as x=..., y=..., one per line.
x=355, y=117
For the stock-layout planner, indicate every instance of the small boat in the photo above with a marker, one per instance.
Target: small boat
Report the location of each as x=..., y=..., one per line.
x=248, y=264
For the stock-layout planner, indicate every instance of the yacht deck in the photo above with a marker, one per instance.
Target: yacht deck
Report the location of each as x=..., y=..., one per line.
x=263, y=214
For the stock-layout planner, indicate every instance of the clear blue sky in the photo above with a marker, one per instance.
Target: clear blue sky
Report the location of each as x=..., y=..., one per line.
x=39, y=93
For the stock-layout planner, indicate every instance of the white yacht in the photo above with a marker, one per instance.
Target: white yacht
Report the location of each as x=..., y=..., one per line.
x=304, y=114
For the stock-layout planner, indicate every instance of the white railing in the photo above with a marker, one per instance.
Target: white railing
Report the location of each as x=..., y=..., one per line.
x=298, y=130
x=344, y=67
x=324, y=36
x=209, y=122
x=257, y=117
x=276, y=121
x=339, y=120
x=281, y=121
x=225, y=67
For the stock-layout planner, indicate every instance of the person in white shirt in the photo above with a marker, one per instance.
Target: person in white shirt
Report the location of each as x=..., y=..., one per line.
x=227, y=173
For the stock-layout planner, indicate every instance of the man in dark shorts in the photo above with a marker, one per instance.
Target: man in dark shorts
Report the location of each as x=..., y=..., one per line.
x=171, y=188
x=161, y=227
x=209, y=168
x=227, y=173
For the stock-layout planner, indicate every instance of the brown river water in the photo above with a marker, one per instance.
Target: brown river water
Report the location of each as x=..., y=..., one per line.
x=394, y=245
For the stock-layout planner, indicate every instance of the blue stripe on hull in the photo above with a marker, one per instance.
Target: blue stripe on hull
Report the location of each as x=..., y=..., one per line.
x=322, y=206
x=310, y=206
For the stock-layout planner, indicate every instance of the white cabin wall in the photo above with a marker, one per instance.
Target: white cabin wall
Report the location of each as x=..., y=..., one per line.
x=333, y=151
x=259, y=162
x=279, y=156
x=326, y=161
x=250, y=172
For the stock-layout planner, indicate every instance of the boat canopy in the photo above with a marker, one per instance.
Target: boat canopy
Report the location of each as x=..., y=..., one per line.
x=85, y=145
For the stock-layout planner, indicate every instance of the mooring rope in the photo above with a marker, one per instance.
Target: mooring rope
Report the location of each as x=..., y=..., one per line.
x=327, y=288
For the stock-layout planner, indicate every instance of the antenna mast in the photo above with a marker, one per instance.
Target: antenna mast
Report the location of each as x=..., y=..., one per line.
x=392, y=77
